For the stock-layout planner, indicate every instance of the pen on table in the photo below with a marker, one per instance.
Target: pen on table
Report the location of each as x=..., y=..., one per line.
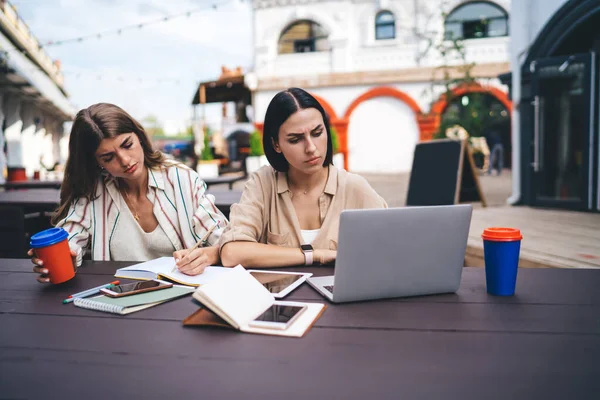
x=198, y=243
x=89, y=292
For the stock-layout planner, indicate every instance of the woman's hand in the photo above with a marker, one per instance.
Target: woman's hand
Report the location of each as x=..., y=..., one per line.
x=39, y=266
x=324, y=256
x=195, y=261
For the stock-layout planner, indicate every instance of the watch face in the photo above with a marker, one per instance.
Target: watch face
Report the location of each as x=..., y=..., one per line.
x=306, y=247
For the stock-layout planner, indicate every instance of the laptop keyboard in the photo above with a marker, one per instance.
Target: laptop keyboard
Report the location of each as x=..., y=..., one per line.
x=329, y=288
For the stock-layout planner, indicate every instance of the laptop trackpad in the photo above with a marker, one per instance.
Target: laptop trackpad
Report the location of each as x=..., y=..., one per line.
x=322, y=282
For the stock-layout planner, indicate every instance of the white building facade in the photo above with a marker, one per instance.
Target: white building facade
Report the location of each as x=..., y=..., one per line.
x=368, y=63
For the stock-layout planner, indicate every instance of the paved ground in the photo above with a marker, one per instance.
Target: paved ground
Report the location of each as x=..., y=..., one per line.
x=394, y=187
x=552, y=238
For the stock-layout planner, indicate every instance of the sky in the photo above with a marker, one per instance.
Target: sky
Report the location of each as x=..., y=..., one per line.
x=154, y=70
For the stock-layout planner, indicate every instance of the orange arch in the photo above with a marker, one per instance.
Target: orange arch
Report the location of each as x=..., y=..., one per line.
x=383, y=91
x=328, y=109
x=440, y=105
x=430, y=123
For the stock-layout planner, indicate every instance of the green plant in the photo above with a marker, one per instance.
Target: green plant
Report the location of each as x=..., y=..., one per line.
x=335, y=140
x=206, y=154
x=454, y=72
x=256, y=147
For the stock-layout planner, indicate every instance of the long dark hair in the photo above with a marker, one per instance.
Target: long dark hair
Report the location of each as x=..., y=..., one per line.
x=280, y=108
x=82, y=173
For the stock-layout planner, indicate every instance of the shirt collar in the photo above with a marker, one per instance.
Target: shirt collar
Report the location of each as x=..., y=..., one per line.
x=330, y=186
x=155, y=179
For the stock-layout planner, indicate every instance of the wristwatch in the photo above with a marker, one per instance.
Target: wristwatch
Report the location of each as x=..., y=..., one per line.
x=307, y=249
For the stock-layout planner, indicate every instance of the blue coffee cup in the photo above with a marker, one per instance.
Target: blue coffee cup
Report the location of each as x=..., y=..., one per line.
x=501, y=248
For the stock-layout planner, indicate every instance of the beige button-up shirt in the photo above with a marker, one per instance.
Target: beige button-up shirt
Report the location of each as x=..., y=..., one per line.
x=265, y=213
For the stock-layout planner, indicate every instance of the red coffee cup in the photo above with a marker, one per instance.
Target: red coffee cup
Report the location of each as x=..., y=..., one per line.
x=51, y=246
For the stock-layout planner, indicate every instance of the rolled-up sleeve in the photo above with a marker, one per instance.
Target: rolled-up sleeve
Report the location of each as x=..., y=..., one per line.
x=78, y=223
x=246, y=219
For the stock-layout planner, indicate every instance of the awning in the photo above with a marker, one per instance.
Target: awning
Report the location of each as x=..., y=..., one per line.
x=222, y=90
x=27, y=77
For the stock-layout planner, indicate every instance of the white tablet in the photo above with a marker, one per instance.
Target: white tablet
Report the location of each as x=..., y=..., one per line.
x=279, y=283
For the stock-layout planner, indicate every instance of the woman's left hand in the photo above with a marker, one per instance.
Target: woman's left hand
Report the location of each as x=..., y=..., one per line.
x=195, y=261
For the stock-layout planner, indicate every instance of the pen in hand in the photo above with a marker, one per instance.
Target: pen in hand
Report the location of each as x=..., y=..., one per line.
x=198, y=244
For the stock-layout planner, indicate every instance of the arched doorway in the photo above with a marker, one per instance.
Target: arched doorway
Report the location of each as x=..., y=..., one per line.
x=340, y=126
x=382, y=131
x=492, y=109
x=482, y=115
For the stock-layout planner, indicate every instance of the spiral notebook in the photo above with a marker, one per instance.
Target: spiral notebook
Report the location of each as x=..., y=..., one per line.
x=128, y=304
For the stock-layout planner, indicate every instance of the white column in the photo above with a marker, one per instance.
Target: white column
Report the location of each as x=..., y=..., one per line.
x=63, y=143
x=2, y=156
x=30, y=149
x=12, y=133
x=50, y=154
x=44, y=139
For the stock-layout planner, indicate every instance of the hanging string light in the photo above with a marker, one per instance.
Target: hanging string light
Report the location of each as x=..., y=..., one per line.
x=119, y=31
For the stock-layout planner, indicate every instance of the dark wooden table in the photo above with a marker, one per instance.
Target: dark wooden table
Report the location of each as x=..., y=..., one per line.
x=31, y=199
x=543, y=343
x=47, y=199
x=36, y=184
x=33, y=184
x=225, y=179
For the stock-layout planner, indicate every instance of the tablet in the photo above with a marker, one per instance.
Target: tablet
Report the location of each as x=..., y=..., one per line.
x=279, y=283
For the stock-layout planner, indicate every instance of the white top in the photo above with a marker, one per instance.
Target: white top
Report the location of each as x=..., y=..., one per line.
x=131, y=243
x=308, y=236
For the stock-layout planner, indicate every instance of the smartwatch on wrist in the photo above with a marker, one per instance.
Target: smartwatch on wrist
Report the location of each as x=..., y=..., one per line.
x=307, y=249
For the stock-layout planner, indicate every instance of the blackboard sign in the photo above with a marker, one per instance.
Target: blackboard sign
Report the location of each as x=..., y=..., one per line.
x=443, y=173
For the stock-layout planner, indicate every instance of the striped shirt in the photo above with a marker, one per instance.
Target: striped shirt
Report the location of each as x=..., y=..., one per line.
x=181, y=205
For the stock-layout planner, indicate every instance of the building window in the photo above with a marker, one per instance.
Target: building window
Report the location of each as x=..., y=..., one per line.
x=303, y=37
x=385, y=25
x=476, y=20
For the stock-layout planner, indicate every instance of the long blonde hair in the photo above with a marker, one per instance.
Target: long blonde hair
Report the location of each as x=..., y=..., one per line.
x=82, y=172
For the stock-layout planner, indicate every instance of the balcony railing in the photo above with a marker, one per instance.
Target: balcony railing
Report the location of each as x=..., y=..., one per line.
x=19, y=33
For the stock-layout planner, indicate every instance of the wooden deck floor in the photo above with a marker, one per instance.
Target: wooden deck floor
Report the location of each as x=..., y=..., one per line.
x=551, y=238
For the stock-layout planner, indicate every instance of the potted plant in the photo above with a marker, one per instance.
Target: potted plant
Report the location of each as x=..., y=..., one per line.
x=208, y=167
x=256, y=158
x=338, y=158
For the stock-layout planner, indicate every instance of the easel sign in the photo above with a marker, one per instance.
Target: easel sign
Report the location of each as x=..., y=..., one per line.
x=443, y=173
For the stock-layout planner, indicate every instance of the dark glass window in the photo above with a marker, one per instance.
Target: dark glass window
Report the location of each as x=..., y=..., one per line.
x=385, y=25
x=303, y=37
x=475, y=20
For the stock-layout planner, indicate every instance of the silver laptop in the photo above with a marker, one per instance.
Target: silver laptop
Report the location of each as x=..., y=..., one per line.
x=397, y=252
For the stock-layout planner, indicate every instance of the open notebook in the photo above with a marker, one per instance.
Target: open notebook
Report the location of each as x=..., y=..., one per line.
x=136, y=302
x=162, y=268
x=237, y=299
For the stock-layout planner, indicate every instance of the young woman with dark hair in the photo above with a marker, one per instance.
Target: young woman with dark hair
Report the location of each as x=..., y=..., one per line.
x=289, y=211
x=122, y=200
